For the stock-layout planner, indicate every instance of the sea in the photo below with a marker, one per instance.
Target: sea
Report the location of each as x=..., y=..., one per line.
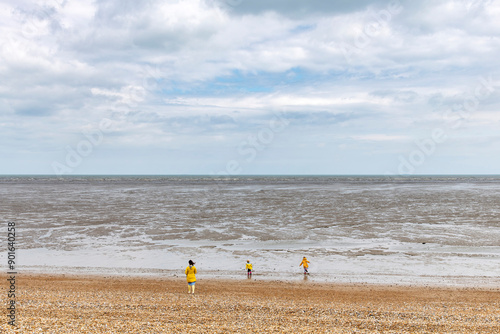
x=426, y=230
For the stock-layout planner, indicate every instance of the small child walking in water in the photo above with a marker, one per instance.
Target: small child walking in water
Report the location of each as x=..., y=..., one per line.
x=191, y=276
x=249, y=269
x=305, y=264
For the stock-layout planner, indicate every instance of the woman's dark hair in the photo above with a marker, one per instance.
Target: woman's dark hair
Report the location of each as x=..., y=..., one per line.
x=191, y=263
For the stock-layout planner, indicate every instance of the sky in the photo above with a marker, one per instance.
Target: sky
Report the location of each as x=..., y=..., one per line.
x=235, y=87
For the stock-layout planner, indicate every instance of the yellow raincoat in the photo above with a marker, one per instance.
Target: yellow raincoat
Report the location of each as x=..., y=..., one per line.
x=190, y=274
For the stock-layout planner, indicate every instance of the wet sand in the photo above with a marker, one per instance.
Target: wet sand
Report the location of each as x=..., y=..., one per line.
x=353, y=229
x=107, y=304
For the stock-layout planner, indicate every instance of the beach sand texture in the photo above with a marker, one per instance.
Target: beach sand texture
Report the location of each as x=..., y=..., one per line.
x=97, y=304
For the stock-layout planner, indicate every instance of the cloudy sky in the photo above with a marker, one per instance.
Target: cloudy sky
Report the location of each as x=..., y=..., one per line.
x=250, y=87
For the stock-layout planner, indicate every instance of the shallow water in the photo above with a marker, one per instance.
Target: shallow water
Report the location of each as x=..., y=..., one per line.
x=351, y=228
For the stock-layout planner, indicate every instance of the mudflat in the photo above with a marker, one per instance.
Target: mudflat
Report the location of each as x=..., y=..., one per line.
x=110, y=304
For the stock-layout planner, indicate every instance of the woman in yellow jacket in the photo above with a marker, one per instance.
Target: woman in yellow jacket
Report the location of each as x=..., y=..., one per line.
x=190, y=276
x=305, y=264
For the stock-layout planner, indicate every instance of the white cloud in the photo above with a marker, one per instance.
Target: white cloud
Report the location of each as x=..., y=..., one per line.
x=381, y=137
x=186, y=73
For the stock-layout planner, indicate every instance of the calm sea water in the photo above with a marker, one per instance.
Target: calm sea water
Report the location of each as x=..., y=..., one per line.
x=352, y=228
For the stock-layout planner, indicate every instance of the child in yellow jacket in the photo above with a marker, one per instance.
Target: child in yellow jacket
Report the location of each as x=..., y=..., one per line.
x=305, y=264
x=249, y=268
x=191, y=276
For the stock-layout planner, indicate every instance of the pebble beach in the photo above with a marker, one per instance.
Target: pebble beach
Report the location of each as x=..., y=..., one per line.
x=112, y=304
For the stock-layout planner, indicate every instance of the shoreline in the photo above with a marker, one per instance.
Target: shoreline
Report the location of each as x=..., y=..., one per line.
x=68, y=303
x=452, y=281
x=256, y=279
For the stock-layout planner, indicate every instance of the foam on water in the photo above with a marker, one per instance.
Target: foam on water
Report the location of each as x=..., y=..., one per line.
x=352, y=229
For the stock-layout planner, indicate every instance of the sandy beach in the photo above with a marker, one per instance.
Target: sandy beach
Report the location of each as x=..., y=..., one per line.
x=111, y=304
